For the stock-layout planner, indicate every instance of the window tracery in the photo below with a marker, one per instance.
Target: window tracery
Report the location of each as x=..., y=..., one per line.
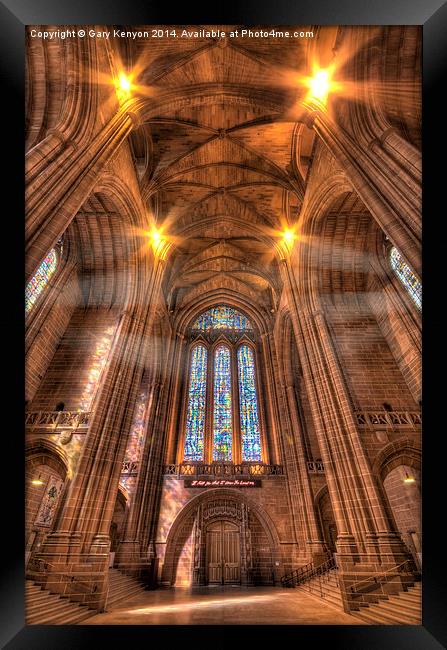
x=222, y=383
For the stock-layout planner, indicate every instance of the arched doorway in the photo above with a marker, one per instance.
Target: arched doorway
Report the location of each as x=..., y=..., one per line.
x=327, y=519
x=402, y=488
x=221, y=538
x=399, y=467
x=223, y=553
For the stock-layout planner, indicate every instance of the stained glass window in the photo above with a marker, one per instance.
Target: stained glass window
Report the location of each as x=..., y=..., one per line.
x=135, y=444
x=195, y=416
x=222, y=421
x=40, y=280
x=410, y=281
x=250, y=430
x=222, y=318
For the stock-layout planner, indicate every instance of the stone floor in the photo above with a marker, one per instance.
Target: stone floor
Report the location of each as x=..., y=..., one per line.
x=223, y=605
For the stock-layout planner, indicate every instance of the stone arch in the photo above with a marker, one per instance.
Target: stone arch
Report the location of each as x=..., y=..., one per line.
x=45, y=461
x=333, y=260
x=45, y=450
x=182, y=527
x=326, y=517
x=402, y=500
x=403, y=451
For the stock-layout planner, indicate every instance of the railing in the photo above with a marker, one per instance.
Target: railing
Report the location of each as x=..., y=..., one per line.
x=53, y=420
x=306, y=572
x=374, y=419
x=359, y=587
x=39, y=566
x=129, y=468
x=315, y=466
x=223, y=469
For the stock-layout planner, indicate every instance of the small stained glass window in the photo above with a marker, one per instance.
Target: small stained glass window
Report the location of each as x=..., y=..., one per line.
x=405, y=274
x=222, y=318
x=40, y=279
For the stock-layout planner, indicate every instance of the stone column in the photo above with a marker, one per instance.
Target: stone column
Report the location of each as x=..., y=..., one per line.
x=55, y=195
x=131, y=557
x=299, y=477
x=393, y=211
x=366, y=544
x=77, y=552
x=137, y=554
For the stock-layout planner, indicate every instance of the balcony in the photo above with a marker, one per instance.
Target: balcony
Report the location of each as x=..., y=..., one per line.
x=222, y=469
x=54, y=421
x=389, y=419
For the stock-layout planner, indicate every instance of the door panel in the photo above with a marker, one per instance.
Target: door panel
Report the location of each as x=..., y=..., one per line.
x=223, y=553
x=214, y=548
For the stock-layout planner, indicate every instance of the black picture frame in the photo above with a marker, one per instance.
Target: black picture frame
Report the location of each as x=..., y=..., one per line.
x=432, y=15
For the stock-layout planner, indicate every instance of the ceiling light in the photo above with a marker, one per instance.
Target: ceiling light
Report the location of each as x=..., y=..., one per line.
x=288, y=236
x=320, y=85
x=123, y=86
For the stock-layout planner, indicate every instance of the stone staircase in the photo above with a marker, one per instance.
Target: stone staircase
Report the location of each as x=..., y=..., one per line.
x=44, y=608
x=400, y=609
x=121, y=587
x=404, y=608
x=325, y=587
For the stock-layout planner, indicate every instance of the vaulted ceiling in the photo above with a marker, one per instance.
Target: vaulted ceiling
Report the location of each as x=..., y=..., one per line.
x=222, y=156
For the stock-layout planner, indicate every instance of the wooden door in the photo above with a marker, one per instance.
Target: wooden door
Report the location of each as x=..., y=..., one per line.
x=223, y=553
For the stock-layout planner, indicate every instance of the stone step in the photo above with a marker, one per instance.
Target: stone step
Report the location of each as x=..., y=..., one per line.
x=121, y=587
x=116, y=580
x=45, y=608
x=395, y=609
x=117, y=597
x=411, y=596
x=124, y=591
x=58, y=605
x=66, y=618
x=378, y=616
x=394, y=601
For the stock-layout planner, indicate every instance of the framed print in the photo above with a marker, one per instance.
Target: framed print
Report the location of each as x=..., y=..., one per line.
x=223, y=366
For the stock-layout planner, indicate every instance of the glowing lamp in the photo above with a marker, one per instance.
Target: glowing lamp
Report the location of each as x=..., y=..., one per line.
x=320, y=85
x=124, y=83
x=289, y=236
x=37, y=481
x=408, y=479
x=156, y=237
x=124, y=86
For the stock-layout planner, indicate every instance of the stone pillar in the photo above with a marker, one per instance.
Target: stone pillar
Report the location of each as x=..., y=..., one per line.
x=131, y=557
x=55, y=195
x=137, y=552
x=299, y=477
x=298, y=488
x=366, y=544
x=395, y=213
x=77, y=553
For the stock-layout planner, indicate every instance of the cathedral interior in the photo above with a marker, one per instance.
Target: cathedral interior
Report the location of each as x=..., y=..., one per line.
x=223, y=319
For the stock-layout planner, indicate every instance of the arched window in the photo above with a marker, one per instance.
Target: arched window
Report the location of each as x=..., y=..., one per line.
x=222, y=418
x=248, y=400
x=407, y=277
x=40, y=280
x=195, y=416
